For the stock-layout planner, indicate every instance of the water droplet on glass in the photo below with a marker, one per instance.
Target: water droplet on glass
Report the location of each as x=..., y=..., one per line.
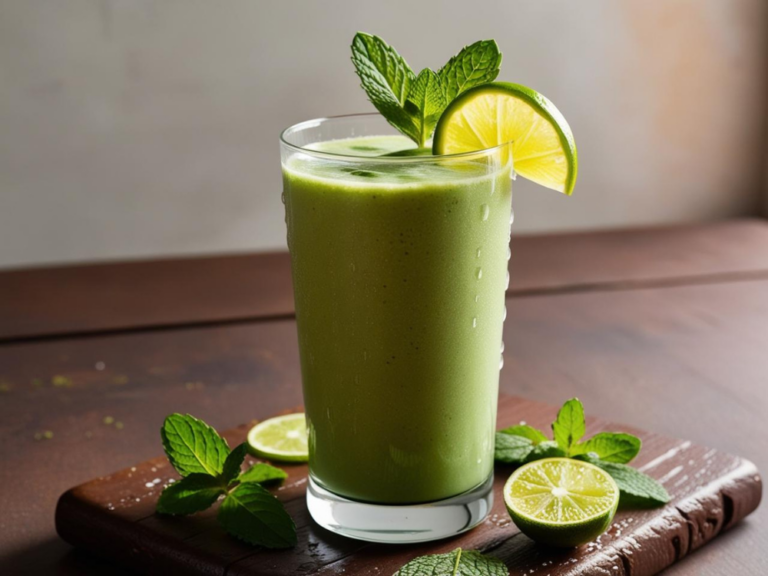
x=485, y=211
x=507, y=286
x=474, y=322
x=509, y=252
x=505, y=314
x=511, y=218
x=282, y=197
x=502, y=346
x=501, y=361
x=479, y=251
x=479, y=273
x=477, y=297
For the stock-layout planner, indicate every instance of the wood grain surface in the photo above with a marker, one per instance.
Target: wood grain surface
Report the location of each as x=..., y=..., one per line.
x=97, y=298
x=684, y=357
x=712, y=491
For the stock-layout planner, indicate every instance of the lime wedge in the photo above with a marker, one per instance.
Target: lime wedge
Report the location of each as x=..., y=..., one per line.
x=281, y=438
x=543, y=149
x=561, y=502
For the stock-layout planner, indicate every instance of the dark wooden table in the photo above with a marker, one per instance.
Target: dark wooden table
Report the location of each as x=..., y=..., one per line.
x=664, y=329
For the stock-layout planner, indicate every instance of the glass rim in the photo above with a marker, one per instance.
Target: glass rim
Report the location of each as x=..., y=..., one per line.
x=376, y=159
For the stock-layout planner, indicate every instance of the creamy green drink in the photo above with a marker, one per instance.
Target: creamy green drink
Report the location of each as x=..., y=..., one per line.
x=400, y=269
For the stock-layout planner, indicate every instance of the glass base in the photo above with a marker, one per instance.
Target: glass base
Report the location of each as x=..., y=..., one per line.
x=400, y=524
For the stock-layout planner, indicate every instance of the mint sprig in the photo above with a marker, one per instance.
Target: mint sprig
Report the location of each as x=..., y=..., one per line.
x=192, y=446
x=413, y=104
x=210, y=470
x=476, y=64
x=456, y=563
x=610, y=451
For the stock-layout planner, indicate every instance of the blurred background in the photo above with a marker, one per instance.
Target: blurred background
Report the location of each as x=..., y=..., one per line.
x=149, y=128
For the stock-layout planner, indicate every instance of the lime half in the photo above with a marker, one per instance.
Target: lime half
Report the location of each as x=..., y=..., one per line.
x=281, y=438
x=561, y=502
x=543, y=148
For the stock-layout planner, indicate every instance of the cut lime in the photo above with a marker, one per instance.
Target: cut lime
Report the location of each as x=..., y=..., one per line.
x=543, y=149
x=561, y=502
x=281, y=438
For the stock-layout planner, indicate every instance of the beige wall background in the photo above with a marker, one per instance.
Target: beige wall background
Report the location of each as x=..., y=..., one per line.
x=141, y=128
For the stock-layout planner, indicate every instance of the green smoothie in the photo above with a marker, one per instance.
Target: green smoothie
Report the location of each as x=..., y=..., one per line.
x=399, y=273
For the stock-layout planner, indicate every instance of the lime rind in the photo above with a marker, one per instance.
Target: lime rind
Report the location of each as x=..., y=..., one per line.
x=453, y=127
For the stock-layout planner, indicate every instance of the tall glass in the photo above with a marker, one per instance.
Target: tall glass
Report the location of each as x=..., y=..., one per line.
x=399, y=269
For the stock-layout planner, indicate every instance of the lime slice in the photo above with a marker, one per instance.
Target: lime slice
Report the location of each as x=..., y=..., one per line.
x=561, y=502
x=543, y=149
x=281, y=438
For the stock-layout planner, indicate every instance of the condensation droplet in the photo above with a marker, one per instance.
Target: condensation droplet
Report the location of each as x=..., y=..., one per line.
x=282, y=197
x=507, y=286
x=485, y=211
x=479, y=273
x=501, y=361
x=511, y=218
x=477, y=297
x=474, y=322
x=502, y=346
x=352, y=267
x=478, y=252
x=505, y=314
x=509, y=252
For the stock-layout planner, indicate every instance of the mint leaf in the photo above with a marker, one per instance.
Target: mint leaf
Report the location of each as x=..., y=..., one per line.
x=457, y=563
x=261, y=473
x=475, y=64
x=611, y=447
x=252, y=514
x=525, y=431
x=569, y=427
x=192, y=446
x=425, y=103
x=638, y=490
x=386, y=78
x=548, y=449
x=192, y=494
x=231, y=468
x=511, y=449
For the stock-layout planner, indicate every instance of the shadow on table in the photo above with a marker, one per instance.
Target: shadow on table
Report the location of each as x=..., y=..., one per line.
x=57, y=558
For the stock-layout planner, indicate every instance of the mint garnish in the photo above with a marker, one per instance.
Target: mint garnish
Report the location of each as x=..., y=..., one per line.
x=252, y=514
x=525, y=431
x=233, y=463
x=611, y=447
x=413, y=104
x=192, y=446
x=457, y=563
x=262, y=473
x=476, y=64
x=521, y=444
x=195, y=493
x=637, y=489
x=569, y=426
x=211, y=470
x=425, y=103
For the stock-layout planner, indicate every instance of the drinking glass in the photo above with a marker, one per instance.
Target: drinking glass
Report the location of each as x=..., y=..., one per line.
x=399, y=270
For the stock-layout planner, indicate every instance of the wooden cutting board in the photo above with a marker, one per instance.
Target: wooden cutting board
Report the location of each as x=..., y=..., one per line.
x=113, y=517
